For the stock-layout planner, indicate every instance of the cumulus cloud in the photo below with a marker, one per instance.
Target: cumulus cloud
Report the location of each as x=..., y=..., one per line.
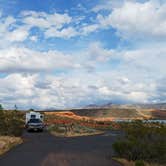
x=11, y=32
x=33, y=90
x=89, y=29
x=18, y=28
x=133, y=20
x=64, y=33
x=34, y=38
x=53, y=25
x=136, y=79
x=64, y=91
x=107, y=5
x=150, y=60
x=17, y=59
x=45, y=20
x=19, y=34
x=98, y=53
x=128, y=18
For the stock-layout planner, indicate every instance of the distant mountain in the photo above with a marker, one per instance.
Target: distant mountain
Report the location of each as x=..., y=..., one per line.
x=107, y=105
x=159, y=106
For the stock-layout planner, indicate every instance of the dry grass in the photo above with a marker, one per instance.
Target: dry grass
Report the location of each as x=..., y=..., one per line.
x=71, y=134
x=76, y=131
x=125, y=162
x=7, y=142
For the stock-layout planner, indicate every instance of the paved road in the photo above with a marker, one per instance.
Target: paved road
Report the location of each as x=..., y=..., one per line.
x=43, y=149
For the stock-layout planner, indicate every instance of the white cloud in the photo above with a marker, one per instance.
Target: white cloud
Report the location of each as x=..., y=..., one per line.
x=45, y=20
x=28, y=90
x=17, y=59
x=130, y=91
x=97, y=52
x=11, y=32
x=104, y=90
x=89, y=29
x=0, y=13
x=50, y=91
x=34, y=38
x=137, y=78
x=140, y=97
x=51, y=24
x=64, y=33
x=58, y=25
x=20, y=34
x=79, y=88
x=107, y=5
x=18, y=28
x=151, y=60
x=4, y=26
x=135, y=20
x=131, y=19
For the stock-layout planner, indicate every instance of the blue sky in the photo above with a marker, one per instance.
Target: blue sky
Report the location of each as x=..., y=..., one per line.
x=60, y=53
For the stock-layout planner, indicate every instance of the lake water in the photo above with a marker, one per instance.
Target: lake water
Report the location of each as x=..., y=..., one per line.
x=155, y=121
x=145, y=121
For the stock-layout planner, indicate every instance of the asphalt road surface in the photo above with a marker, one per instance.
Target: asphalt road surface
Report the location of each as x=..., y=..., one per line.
x=43, y=149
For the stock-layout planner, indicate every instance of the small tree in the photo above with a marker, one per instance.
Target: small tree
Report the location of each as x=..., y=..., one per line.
x=15, y=107
x=139, y=163
x=31, y=109
x=1, y=107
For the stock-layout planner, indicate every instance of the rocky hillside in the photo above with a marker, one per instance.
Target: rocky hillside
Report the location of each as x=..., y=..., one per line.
x=121, y=113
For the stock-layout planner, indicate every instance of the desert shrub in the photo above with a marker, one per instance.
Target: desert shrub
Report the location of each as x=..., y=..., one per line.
x=58, y=128
x=1, y=107
x=139, y=163
x=2, y=124
x=120, y=148
x=11, y=123
x=142, y=142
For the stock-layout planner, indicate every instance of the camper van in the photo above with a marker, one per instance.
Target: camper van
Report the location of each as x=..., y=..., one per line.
x=34, y=121
x=33, y=115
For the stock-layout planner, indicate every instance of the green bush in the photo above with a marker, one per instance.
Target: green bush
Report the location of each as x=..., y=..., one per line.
x=1, y=107
x=139, y=163
x=142, y=142
x=11, y=123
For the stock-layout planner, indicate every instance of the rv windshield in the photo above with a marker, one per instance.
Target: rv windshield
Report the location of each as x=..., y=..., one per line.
x=35, y=121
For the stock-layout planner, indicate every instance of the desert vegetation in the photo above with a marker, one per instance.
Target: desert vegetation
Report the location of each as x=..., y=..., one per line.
x=142, y=142
x=71, y=130
x=68, y=124
x=11, y=127
x=68, y=118
x=11, y=123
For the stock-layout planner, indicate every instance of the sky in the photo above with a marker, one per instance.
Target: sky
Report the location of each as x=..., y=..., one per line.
x=72, y=53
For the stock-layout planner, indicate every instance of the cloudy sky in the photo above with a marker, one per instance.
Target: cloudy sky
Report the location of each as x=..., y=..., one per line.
x=71, y=53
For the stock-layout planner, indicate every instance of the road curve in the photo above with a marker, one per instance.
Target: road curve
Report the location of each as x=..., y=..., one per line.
x=43, y=149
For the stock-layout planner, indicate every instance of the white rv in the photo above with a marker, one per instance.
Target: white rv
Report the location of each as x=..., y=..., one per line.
x=33, y=115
